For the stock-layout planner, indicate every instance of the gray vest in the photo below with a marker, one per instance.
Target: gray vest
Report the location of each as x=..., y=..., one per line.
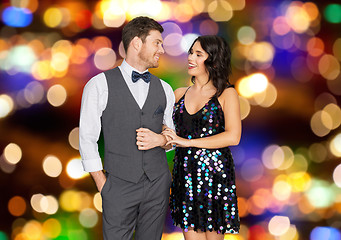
x=120, y=120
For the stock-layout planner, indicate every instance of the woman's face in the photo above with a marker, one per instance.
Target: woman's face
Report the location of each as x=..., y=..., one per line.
x=196, y=59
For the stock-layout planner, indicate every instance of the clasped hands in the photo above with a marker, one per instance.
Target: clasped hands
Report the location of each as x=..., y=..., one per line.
x=147, y=139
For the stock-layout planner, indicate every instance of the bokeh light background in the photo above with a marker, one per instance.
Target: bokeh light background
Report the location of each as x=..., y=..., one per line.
x=286, y=68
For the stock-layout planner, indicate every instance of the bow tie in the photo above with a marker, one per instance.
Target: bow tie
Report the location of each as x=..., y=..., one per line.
x=135, y=76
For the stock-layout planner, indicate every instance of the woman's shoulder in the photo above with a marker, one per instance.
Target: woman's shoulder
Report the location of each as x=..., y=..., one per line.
x=228, y=95
x=179, y=92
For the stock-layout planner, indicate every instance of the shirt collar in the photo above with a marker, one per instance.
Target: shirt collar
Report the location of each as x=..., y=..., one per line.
x=129, y=69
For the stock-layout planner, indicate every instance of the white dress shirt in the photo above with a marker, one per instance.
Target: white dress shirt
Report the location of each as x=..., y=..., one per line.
x=94, y=102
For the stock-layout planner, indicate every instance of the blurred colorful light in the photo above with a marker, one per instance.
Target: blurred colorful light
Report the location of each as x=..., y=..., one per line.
x=320, y=194
x=335, y=145
x=17, y=17
x=52, y=228
x=88, y=218
x=17, y=206
x=105, y=58
x=325, y=233
x=332, y=13
x=6, y=105
x=279, y=225
x=75, y=170
x=12, y=153
x=52, y=166
x=56, y=95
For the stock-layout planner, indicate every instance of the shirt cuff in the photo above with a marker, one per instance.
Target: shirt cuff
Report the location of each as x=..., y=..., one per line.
x=92, y=165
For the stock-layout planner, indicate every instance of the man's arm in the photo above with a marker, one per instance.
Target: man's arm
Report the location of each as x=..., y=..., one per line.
x=94, y=101
x=99, y=179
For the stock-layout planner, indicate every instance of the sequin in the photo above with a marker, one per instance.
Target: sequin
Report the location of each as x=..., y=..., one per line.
x=203, y=195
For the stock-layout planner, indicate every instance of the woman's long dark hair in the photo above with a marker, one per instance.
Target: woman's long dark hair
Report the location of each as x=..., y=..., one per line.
x=218, y=62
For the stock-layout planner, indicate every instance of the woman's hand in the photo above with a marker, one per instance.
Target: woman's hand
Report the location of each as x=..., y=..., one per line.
x=176, y=141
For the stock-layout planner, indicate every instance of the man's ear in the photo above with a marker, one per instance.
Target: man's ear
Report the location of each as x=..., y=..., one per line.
x=136, y=43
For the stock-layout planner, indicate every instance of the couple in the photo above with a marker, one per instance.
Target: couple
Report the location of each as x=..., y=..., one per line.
x=134, y=110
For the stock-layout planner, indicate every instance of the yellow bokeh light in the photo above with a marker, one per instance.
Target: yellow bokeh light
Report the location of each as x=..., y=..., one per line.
x=335, y=145
x=6, y=105
x=79, y=54
x=52, y=228
x=197, y=5
x=41, y=70
x=281, y=190
x=49, y=204
x=279, y=225
x=165, y=12
x=244, y=107
x=317, y=126
x=12, y=153
x=300, y=164
x=75, y=170
x=291, y=234
x=246, y=35
x=114, y=17
x=74, y=138
x=56, y=95
x=297, y=18
x=262, y=52
x=269, y=98
x=299, y=181
x=337, y=49
x=70, y=201
x=60, y=62
x=33, y=230
x=237, y=4
x=250, y=85
x=311, y=9
x=183, y=12
x=52, y=166
x=220, y=11
x=97, y=201
x=53, y=17
x=329, y=67
x=334, y=112
x=62, y=46
x=288, y=157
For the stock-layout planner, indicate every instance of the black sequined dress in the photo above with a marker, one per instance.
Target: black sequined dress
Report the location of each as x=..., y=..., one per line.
x=203, y=192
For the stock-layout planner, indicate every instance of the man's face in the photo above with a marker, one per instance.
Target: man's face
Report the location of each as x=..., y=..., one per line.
x=151, y=50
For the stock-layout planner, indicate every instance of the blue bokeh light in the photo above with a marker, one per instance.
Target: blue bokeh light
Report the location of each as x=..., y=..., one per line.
x=17, y=17
x=326, y=233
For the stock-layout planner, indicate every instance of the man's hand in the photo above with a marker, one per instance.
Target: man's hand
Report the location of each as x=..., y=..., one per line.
x=147, y=139
x=99, y=179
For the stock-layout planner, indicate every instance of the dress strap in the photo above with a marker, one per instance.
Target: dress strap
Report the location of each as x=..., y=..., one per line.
x=185, y=93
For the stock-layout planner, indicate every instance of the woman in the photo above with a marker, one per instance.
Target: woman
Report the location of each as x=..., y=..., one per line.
x=207, y=120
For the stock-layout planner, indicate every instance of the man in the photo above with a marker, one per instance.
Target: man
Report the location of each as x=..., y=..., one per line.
x=130, y=106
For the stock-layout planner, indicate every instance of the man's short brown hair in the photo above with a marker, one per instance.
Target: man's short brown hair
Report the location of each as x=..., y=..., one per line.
x=140, y=27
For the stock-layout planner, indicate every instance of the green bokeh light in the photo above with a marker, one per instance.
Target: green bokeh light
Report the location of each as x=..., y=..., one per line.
x=3, y=236
x=332, y=13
